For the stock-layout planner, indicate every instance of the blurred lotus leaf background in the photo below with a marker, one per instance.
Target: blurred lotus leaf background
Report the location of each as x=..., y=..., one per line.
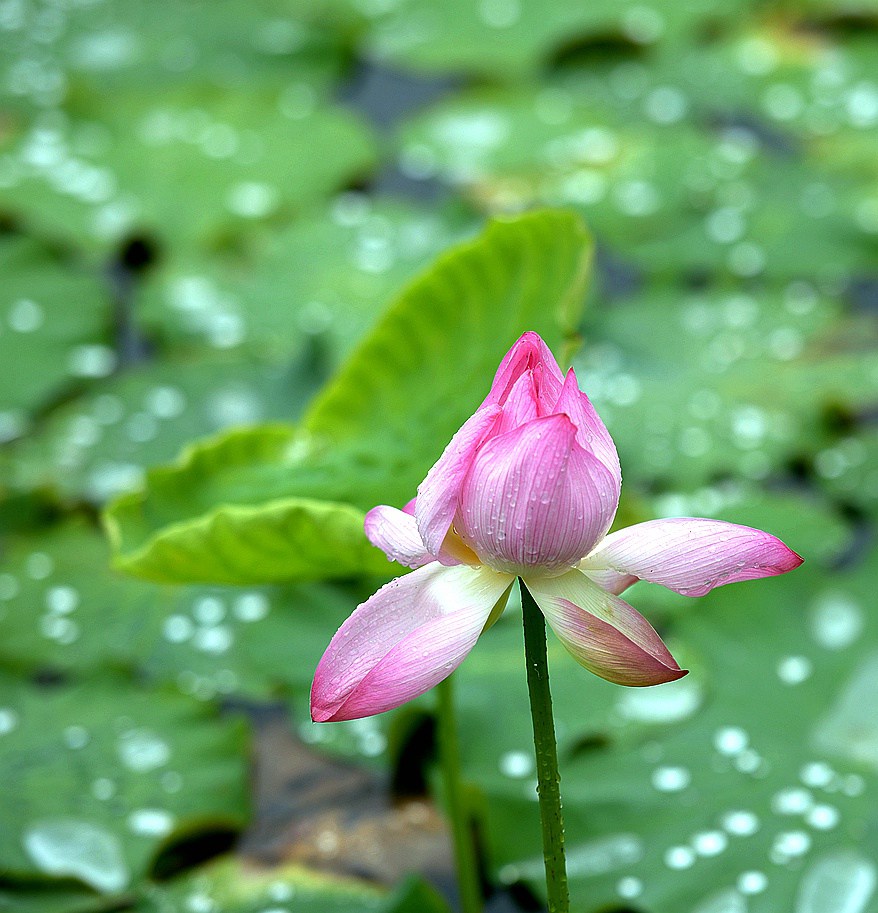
x=258, y=261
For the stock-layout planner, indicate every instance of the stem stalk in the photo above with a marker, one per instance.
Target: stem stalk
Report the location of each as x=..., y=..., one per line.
x=466, y=864
x=548, y=777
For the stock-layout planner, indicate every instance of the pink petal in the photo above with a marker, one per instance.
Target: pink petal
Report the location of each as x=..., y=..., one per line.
x=408, y=637
x=521, y=406
x=395, y=532
x=692, y=556
x=535, y=498
x=591, y=433
x=603, y=633
x=606, y=578
x=438, y=493
x=529, y=353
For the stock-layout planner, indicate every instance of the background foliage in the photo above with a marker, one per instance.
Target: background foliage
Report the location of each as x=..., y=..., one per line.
x=251, y=285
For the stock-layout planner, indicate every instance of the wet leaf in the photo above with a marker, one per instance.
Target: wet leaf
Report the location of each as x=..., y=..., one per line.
x=762, y=795
x=372, y=434
x=320, y=284
x=64, y=611
x=194, y=167
x=700, y=387
x=661, y=188
x=102, y=443
x=99, y=777
x=55, y=330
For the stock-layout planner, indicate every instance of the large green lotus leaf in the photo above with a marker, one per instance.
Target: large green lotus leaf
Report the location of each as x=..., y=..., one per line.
x=322, y=281
x=513, y=39
x=233, y=886
x=762, y=798
x=656, y=189
x=99, y=777
x=191, y=167
x=127, y=44
x=63, y=610
x=491, y=682
x=696, y=387
x=279, y=503
x=789, y=85
x=54, y=326
x=100, y=444
x=254, y=642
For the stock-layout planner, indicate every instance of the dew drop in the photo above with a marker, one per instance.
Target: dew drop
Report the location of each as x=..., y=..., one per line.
x=740, y=823
x=177, y=629
x=671, y=779
x=823, y=817
x=709, y=843
x=836, y=620
x=749, y=761
x=213, y=640
x=752, y=882
x=793, y=670
x=730, y=740
x=103, y=789
x=151, y=822
x=792, y=801
x=516, y=764
x=209, y=610
x=62, y=599
x=669, y=704
x=8, y=720
x=39, y=565
x=250, y=607
x=172, y=782
x=629, y=887
x=790, y=845
x=726, y=901
x=165, y=402
x=26, y=316
x=70, y=848
x=817, y=775
x=142, y=750
x=679, y=857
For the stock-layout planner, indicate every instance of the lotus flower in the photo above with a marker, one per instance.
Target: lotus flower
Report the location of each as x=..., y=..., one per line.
x=528, y=488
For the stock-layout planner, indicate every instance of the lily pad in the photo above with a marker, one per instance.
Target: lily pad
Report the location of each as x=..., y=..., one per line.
x=707, y=386
x=760, y=799
x=588, y=710
x=125, y=44
x=55, y=326
x=670, y=195
x=320, y=283
x=372, y=434
x=98, y=778
x=63, y=611
x=101, y=444
x=192, y=167
x=502, y=39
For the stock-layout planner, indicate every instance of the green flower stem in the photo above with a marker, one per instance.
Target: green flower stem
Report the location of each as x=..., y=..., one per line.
x=548, y=777
x=468, y=881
